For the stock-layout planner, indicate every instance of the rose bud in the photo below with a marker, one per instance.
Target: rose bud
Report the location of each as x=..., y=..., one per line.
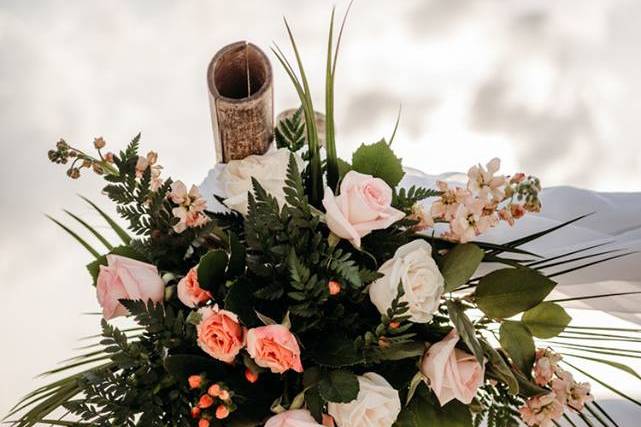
x=251, y=376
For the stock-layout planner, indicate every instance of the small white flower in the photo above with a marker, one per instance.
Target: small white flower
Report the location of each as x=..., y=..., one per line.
x=377, y=404
x=416, y=270
x=269, y=169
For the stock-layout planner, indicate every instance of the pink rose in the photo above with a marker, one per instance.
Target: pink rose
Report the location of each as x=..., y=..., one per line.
x=189, y=291
x=126, y=278
x=293, y=418
x=452, y=373
x=364, y=204
x=274, y=347
x=219, y=333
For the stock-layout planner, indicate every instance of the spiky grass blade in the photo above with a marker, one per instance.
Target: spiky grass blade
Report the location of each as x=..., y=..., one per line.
x=92, y=230
x=79, y=239
x=124, y=236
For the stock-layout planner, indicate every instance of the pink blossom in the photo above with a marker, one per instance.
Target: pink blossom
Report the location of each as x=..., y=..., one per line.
x=484, y=183
x=274, y=347
x=364, y=205
x=570, y=392
x=541, y=410
x=545, y=366
x=449, y=202
x=190, y=209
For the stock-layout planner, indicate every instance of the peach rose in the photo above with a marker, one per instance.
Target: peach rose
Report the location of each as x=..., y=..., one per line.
x=293, y=418
x=274, y=347
x=189, y=291
x=126, y=278
x=219, y=334
x=452, y=373
x=364, y=204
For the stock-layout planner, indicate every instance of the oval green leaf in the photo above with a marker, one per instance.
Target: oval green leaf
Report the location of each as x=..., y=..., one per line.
x=510, y=291
x=546, y=320
x=458, y=265
x=517, y=340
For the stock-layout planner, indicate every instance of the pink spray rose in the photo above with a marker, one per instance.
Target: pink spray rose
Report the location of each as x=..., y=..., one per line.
x=126, y=278
x=293, y=418
x=220, y=334
x=541, y=410
x=274, y=347
x=546, y=365
x=189, y=291
x=452, y=373
x=364, y=204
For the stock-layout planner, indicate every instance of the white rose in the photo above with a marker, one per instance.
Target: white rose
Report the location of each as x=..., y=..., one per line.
x=377, y=404
x=270, y=169
x=293, y=418
x=413, y=267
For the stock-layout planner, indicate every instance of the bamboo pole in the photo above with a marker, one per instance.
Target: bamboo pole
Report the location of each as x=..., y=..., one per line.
x=241, y=100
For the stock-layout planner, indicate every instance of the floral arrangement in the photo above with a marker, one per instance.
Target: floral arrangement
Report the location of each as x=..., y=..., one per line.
x=328, y=294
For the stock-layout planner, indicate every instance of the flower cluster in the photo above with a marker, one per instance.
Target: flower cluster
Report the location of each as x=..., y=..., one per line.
x=190, y=207
x=372, y=309
x=487, y=199
x=213, y=400
x=544, y=409
x=64, y=152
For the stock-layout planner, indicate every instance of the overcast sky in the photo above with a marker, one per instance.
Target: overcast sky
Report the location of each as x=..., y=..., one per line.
x=551, y=87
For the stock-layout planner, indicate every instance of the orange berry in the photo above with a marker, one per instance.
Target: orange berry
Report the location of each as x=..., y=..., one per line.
x=394, y=325
x=334, y=287
x=195, y=381
x=214, y=390
x=195, y=412
x=222, y=412
x=205, y=401
x=203, y=423
x=224, y=395
x=251, y=376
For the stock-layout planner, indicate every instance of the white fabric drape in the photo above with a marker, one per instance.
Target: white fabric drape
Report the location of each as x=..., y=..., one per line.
x=614, y=223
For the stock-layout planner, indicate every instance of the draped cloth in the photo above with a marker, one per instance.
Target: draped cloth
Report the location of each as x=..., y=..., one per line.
x=614, y=224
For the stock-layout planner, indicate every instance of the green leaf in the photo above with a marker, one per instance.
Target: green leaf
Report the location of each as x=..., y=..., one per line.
x=315, y=403
x=240, y=300
x=509, y=291
x=546, y=320
x=237, y=256
x=340, y=386
x=459, y=264
x=499, y=367
x=211, y=269
x=402, y=351
x=517, y=340
x=465, y=329
x=424, y=410
x=336, y=351
x=380, y=161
